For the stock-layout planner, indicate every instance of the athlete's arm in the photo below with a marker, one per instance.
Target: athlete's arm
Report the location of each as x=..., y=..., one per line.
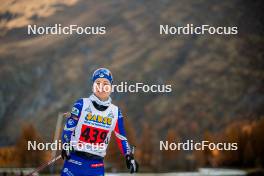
x=123, y=145
x=72, y=121
x=121, y=135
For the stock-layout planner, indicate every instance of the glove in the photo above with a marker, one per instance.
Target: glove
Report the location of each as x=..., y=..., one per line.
x=66, y=151
x=131, y=163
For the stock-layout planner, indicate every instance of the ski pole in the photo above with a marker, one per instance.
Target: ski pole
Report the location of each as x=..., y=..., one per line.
x=44, y=165
x=132, y=149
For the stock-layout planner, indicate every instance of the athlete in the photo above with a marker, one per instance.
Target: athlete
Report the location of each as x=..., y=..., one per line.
x=88, y=130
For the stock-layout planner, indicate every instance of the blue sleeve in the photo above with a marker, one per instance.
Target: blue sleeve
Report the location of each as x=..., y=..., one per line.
x=120, y=134
x=77, y=108
x=72, y=121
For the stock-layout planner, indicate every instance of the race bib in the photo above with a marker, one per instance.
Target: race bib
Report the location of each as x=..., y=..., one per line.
x=93, y=135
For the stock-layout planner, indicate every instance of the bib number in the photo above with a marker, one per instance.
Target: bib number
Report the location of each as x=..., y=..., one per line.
x=91, y=134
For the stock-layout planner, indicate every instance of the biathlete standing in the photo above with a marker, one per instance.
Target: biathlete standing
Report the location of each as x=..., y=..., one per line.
x=88, y=130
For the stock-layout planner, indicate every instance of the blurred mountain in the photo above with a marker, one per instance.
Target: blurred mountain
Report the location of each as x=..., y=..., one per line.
x=215, y=79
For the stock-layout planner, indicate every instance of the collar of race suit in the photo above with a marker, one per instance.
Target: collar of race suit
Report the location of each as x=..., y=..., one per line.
x=99, y=104
x=99, y=107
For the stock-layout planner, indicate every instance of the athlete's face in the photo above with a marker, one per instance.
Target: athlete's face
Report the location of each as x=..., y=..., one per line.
x=102, y=88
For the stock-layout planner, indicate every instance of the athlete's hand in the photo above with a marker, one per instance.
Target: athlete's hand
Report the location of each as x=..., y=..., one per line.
x=65, y=153
x=131, y=163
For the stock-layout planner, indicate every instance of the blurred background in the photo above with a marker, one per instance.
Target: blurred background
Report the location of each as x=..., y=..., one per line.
x=217, y=81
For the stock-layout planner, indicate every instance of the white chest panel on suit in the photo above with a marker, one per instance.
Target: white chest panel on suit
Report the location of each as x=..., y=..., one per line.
x=93, y=131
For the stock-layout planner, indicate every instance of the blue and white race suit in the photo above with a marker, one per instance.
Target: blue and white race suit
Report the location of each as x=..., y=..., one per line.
x=89, y=131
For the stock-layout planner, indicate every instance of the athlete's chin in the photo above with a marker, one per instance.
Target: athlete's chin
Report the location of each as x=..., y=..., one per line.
x=103, y=95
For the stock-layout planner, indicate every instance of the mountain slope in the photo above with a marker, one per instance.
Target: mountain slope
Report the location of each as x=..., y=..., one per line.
x=215, y=79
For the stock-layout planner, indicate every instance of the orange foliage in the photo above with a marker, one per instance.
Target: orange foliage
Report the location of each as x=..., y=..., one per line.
x=249, y=138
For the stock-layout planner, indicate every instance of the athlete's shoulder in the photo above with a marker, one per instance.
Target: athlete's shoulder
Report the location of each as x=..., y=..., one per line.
x=115, y=107
x=118, y=110
x=77, y=107
x=78, y=102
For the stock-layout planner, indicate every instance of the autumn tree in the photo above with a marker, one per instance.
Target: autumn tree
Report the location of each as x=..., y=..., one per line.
x=25, y=157
x=170, y=158
x=250, y=145
x=147, y=153
x=258, y=142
